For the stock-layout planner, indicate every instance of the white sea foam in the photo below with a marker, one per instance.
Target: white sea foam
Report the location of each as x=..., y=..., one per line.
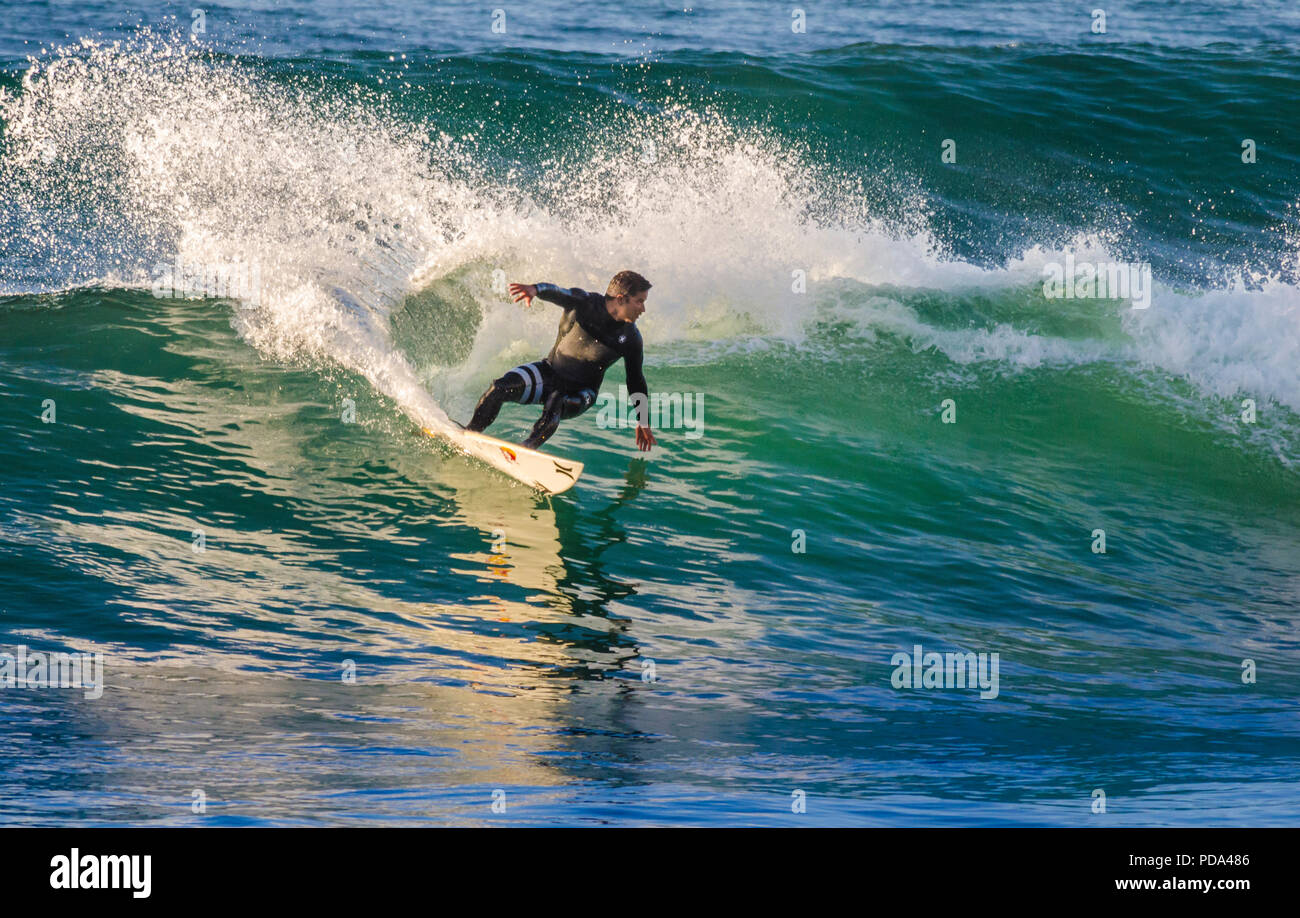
x=347, y=208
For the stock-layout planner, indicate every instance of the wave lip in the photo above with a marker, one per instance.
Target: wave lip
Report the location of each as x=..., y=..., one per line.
x=124, y=157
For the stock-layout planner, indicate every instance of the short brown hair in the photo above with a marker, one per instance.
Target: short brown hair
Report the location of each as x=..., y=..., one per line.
x=627, y=283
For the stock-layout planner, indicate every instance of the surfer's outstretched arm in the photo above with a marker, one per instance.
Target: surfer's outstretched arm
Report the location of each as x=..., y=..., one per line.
x=561, y=296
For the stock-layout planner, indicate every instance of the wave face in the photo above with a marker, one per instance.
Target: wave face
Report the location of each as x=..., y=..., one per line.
x=240, y=267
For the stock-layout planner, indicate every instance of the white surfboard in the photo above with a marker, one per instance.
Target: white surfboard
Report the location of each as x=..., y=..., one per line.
x=548, y=474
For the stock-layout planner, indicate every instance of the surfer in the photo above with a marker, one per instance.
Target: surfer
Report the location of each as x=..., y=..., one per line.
x=595, y=331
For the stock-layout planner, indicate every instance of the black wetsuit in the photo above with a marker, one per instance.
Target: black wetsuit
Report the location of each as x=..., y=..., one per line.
x=589, y=341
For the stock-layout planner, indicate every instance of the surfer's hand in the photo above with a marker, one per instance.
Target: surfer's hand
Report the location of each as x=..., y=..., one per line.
x=524, y=292
x=644, y=438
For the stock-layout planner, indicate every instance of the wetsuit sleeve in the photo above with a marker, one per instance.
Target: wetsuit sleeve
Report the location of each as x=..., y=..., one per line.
x=569, y=299
x=636, y=384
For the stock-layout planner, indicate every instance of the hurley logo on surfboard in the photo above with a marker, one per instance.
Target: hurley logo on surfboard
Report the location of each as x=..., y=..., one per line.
x=543, y=472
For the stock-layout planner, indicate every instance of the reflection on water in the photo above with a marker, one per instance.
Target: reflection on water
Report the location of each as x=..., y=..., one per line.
x=549, y=553
x=381, y=631
x=484, y=705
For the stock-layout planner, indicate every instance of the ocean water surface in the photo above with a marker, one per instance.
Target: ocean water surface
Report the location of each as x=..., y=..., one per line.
x=310, y=614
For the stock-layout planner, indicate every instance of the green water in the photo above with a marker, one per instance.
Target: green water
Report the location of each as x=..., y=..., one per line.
x=904, y=441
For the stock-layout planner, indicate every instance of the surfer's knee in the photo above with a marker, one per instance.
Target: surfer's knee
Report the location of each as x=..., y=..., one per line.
x=578, y=402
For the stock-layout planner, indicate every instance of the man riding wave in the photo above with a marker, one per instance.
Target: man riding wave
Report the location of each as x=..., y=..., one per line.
x=595, y=331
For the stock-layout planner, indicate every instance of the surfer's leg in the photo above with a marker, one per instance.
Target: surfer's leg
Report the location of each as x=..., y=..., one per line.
x=559, y=405
x=575, y=403
x=509, y=388
x=548, y=422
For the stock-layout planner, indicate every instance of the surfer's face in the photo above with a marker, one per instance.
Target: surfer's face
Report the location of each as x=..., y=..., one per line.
x=629, y=308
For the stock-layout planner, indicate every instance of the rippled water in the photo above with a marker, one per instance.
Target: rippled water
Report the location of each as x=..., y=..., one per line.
x=311, y=614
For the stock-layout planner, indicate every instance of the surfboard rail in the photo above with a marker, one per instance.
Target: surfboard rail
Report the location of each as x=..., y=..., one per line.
x=548, y=474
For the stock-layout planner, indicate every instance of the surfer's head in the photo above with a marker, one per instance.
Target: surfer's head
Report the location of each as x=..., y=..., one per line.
x=625, y=297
